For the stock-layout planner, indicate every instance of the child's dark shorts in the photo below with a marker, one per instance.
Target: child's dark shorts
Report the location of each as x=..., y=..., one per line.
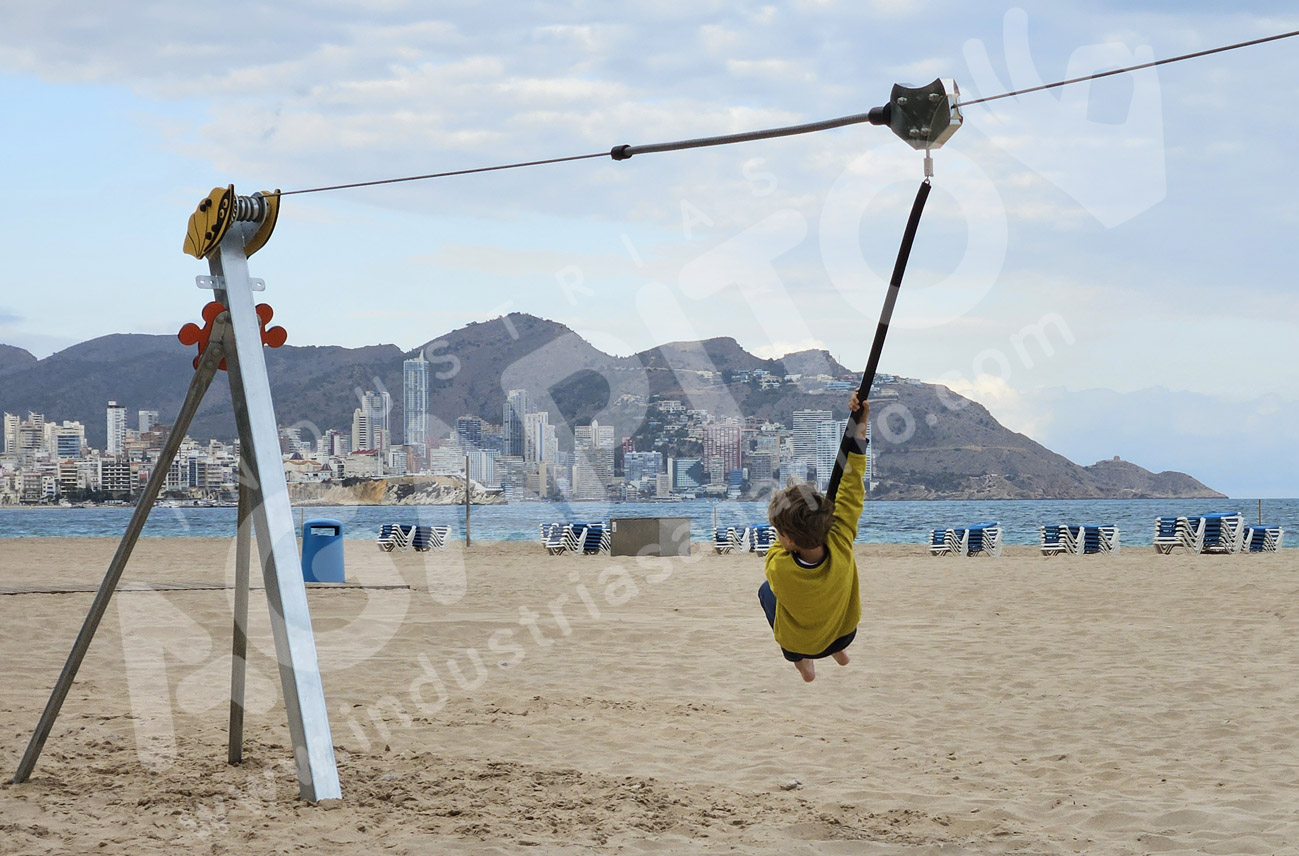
x=768, y=600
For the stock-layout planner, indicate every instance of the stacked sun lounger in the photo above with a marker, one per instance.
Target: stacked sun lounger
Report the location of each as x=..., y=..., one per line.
x=396, y=536
x=726, y=539
x=1219, y=532
x=579, y=538
x=1262, y=539
x=427, y=538
x=552, y=538
x=758, y=539
x=1078, y=540
x=747, y=539
x=980, y=538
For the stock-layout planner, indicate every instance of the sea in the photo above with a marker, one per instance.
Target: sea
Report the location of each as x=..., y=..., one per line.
x=882, y=522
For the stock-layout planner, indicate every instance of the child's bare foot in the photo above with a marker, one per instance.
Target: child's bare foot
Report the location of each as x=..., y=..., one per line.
x=840, y=657
x=807, y=669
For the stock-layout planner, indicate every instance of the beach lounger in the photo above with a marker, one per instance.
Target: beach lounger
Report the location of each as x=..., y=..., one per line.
x=1168, y=534
x=385, y=539
x=1184, y=532
x=596, y=539
x=1262, y=539
x=1193, y=534
x=427, y=538
x=1055, y=540
x=725, y=540
x=1109, y=538
x=1223, y=532
x=1095, y=539
x=421, y=539
x=943, y=542
x=574, y=537
x=552, y=538
x=760, y=538
x=394, y=536
x=982, y=538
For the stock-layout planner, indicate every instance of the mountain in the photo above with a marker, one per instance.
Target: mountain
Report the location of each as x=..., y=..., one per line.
x=312, y=385
x=13, y=359
x=929, y=442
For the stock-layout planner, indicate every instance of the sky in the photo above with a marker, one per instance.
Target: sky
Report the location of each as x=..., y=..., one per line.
x=1108, y=267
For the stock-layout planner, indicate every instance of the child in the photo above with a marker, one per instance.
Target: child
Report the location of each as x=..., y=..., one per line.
x=811, y=595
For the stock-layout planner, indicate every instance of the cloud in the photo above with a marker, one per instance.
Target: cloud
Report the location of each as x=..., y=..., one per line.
x=1013, y=409
x=776, y=350
x=10, y=318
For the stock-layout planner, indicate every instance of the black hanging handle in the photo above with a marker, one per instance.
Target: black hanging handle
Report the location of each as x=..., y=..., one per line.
x=877, y=347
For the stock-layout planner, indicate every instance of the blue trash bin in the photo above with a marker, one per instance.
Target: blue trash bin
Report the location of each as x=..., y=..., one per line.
x=322, y=551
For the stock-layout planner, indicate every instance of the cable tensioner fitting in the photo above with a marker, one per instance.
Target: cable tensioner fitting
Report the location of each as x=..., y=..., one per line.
x=211, y=221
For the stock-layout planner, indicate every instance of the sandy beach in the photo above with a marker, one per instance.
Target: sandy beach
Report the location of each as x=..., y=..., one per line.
x=499, y=700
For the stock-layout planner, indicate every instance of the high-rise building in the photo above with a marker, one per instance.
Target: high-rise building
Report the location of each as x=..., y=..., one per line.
x=539, y=441
x=642, y=469
x=722, y=444
x=806, y=425
x=870, y=457
x=686, y=473
x=362, y=438
x=482, y=466
x=148, y=419
x=414, y=387
x=116, y=428
x=829, y=436
x=11, y=433
x=469, y=432
x=32, y=443
x=593, y=460
x=516, y=406
x=66, y=441
x=333, y=443
x=370, y=423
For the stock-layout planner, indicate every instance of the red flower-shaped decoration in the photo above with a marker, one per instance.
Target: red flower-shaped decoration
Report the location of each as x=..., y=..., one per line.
x=192, y=334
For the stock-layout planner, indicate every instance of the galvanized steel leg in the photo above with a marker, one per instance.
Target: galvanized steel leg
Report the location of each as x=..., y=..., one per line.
x=198, y=385
x=239, y=647
x=295, y=645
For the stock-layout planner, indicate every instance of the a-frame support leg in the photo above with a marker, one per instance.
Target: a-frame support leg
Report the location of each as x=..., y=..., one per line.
x=277, y=543
x=198, y=385
x=239, y=646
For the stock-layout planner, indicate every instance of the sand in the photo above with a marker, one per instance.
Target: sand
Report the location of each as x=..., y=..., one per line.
x=1121, y=704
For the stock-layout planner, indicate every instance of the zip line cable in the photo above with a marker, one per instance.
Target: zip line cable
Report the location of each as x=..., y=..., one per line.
x=440, y=174
x=1129, y=68
x=626, y=151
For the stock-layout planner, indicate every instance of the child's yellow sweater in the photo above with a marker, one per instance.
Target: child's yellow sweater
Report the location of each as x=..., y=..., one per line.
x=815, y=606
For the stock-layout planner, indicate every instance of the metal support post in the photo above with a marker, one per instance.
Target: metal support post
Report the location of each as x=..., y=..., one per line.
x=239, y=645
x=198, y=385
x=295, y=646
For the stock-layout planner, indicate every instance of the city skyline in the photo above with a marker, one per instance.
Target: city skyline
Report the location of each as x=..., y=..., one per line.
x=43, y=461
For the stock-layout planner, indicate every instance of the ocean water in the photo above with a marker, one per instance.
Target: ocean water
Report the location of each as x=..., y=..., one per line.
x=882, y=522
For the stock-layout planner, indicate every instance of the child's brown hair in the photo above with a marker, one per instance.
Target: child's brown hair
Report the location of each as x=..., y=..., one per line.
x=802, y=514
